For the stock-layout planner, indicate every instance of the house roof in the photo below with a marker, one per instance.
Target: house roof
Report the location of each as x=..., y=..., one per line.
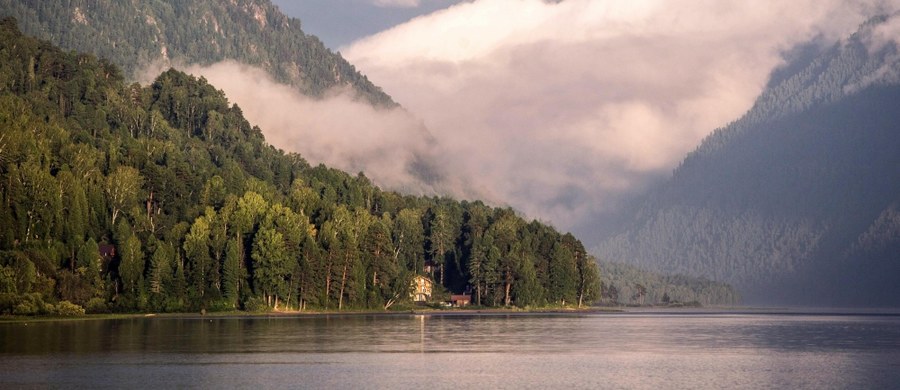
x=425, y=278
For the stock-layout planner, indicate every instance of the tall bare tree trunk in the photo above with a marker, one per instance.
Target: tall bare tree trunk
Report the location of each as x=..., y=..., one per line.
x=328, y=280
x=290, y=293
x=478, y=293
x=508, y=282
x=506, y=298
x=343, y=283
x=581, y=291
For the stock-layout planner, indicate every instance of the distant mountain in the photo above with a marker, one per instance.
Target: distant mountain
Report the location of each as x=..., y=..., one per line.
x=134, y=34
x=797, y=202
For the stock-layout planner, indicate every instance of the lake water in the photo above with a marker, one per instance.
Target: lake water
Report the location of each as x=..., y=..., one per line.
x=557, y=351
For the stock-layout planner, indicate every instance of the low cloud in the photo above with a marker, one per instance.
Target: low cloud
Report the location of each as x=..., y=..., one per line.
x=565, y=108
x=388, y=145
x=881, y=41
x=884, y=34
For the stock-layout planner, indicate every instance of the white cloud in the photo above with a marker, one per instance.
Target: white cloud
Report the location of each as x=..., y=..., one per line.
x=564, y=108
x=338, y=130
x=884, y=34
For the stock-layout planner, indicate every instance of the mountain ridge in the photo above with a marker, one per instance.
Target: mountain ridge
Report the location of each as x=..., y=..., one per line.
x=776, y=201
x=135, y=34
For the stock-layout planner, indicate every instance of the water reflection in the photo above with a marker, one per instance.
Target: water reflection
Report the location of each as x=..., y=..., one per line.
x=505, y=351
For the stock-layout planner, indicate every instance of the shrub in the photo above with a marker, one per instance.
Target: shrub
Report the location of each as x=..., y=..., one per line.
x=174, y=305
x=25, y=309
x=68, y=309
x=256, y=304
x=8, y=302
x=221, y=305
x=31, y=304
x=96, y=305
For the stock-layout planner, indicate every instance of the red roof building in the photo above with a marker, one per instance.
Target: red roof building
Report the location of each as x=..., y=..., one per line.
x=460, y=300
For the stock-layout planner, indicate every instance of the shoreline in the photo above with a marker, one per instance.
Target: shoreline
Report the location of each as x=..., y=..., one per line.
x=313, y=314
x=429, y=312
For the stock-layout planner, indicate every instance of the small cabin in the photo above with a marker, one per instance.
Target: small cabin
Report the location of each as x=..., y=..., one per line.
x=107, y=251
x=460, y=300
x=422, y=289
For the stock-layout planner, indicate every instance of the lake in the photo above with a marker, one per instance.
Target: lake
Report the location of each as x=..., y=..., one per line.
x=650, y=350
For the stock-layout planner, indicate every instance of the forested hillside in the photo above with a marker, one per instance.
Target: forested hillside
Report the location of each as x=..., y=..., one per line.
x=133, y=34
x=118, y=197
x=624, y=284
x=797, y=201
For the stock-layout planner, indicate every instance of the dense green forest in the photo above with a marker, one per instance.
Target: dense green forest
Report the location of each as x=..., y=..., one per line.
x=122, y=197
x=795, y=203
x=140, y=36
x=134, y=34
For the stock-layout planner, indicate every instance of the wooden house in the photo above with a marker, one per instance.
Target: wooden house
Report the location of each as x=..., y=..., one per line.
x=422, y=289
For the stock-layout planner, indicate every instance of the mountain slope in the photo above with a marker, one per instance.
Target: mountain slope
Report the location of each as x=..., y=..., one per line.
x=115, y=196
x=134, y=34
x=786, y=203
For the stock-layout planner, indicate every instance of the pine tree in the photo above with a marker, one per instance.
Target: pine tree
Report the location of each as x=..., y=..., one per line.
x=196, y=250
x=159, y=274
x=231, y=272
x=588, y=280
x=377, y=252
x=131, y=267
x=89, y=258
x=563, y=275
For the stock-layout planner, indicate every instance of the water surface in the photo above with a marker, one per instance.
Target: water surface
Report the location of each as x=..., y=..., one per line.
x=629, y=350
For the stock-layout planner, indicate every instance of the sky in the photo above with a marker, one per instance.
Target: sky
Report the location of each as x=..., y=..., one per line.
x=566, y=109
x=340, y=22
